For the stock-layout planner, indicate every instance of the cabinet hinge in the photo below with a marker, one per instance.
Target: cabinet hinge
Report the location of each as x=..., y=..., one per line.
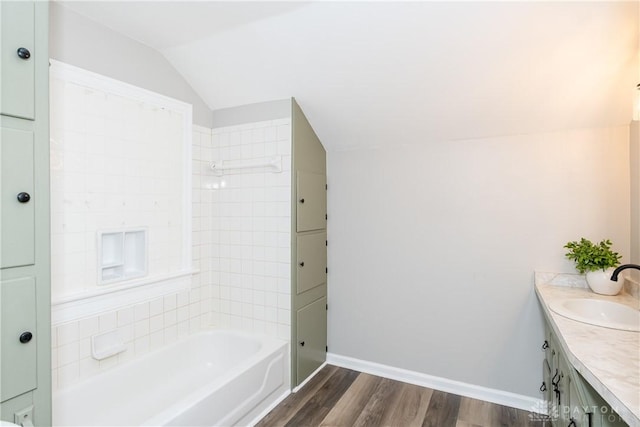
x=326, y=217
x=326, y=186
x=326, y=349
x=326, y=243
x=326, y=270
x=326, y=306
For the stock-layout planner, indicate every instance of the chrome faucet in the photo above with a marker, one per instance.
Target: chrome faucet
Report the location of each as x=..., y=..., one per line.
x=617, y=271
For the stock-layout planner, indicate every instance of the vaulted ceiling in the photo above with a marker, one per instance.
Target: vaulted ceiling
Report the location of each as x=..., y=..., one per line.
x=380, y=73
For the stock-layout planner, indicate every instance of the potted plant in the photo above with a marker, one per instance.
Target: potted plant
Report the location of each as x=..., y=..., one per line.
x=598, y=262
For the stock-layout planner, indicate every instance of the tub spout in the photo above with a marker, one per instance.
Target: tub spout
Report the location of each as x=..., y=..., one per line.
x=617, y=271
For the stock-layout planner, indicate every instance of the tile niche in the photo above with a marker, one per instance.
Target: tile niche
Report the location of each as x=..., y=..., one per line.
x=122, y=255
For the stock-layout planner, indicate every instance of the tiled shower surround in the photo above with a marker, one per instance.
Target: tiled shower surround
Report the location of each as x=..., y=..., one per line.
x=251, y=229
x=240, y=250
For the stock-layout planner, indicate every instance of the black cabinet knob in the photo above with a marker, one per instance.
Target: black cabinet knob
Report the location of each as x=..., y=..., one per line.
x=23, y=197
x=25, y=337
x=302, y=264
x=301, y=200
x=24, y=53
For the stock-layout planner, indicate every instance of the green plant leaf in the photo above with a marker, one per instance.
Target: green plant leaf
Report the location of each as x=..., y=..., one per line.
x=592, y=257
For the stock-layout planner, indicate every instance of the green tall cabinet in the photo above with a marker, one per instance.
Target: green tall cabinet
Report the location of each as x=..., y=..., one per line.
x=309, y=249
x=25, y=321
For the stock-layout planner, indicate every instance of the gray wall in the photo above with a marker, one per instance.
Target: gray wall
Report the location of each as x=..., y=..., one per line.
x=84, y=43
x=270, y=110
x=634, y=150
x=433, y=246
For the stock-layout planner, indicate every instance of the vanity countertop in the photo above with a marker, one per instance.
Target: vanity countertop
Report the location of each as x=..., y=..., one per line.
x=608, y=359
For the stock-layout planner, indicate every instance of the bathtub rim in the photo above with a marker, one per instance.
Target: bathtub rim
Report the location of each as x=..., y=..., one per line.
x=190, y=400
x=269, y=346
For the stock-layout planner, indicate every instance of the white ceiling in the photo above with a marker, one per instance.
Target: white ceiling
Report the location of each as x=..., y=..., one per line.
x=380, y=73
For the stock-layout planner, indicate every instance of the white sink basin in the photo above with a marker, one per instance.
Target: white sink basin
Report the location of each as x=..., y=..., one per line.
x=599, y=312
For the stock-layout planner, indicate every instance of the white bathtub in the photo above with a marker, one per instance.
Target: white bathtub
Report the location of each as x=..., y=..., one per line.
x=213, y=378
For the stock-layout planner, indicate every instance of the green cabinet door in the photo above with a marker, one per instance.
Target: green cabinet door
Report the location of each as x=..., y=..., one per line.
x=17, y=62
x=17, y=349
x=17, y=198
x=312, y=261
x=312, y=337
x=546, y=387
x=576, y=406
x=603, y=415
x=311, y=193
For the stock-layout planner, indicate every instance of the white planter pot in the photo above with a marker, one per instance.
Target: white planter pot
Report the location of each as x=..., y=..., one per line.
x=600, y=282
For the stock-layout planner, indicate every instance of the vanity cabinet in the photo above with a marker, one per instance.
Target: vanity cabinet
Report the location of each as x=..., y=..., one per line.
x=571, y=401
x=25, y=294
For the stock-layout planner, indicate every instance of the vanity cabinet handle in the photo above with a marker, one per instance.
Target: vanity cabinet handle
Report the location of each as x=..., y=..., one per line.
x=545, y=345
x=23, y=53
x=25, y=337
x=543, y=387
x=555, y=383
x=23, y=197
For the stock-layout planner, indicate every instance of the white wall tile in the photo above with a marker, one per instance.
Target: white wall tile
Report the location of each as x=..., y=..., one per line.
x=84, y=348
x=107, y=321
x=105, y=163
x=156, y=307
x=170, y=302
x=141, y=328
x=182, y=314
x=68, y=374
x=183, y=329
x=170, y=334
x=141, y=311
x=156, y=323
x=170, y=318
x=156, y=339
x=125, y=316
x=68, y=353
x=67, y=333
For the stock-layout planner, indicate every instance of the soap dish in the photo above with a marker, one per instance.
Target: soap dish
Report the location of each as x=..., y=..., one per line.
x=106, y=345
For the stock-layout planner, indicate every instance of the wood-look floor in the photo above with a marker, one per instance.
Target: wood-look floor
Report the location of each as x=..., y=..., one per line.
x=339, y=397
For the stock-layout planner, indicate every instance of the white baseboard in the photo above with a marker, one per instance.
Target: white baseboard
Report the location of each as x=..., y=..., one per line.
x=313, y=374
x=437, y=383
